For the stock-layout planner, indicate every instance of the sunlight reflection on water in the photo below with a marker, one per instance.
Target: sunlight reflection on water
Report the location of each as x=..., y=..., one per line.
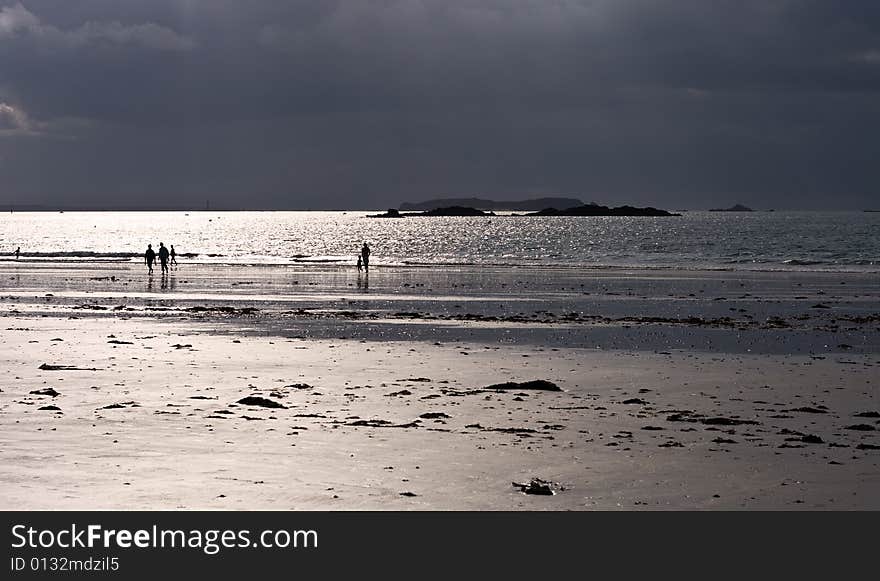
x=763, y=240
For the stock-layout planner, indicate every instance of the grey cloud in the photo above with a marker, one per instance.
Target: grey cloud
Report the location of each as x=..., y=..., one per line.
x=12, y=118
x=869, y=56
x=16, y=20
x=16, y=123
x=304, y=102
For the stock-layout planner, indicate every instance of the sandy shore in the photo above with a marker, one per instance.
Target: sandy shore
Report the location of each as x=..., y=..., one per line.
x=678, y=390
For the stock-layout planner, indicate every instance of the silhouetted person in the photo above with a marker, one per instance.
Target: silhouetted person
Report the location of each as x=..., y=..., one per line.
x=150, y=257
x=365, y=255
x=360, y=263
x=18, y=251
x=163, y=257
x=173, y=256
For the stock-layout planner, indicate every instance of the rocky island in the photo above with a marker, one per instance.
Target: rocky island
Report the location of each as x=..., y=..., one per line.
x=482, y=204
x=583, y=210
x=597, y=210
x=448, y=211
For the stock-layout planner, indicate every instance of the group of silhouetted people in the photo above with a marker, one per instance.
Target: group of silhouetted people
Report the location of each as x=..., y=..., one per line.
x=166, y=257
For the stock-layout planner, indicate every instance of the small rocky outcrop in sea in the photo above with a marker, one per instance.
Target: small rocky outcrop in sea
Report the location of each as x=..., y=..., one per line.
x=597, y=210
x=391, y=213
x=448, y=211
x=734, y=208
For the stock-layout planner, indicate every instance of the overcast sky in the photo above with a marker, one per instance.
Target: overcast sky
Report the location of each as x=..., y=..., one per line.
x=368, y=103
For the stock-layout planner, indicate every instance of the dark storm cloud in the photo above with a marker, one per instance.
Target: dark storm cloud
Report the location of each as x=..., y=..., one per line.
x=683, y=103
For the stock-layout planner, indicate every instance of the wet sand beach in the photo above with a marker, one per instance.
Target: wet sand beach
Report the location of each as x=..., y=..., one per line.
x=314, y=388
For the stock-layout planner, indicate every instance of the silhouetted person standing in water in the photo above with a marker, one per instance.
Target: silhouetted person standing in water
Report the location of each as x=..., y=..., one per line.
x=18, y=251
x=149, y=257
x=173, y=256
x=365, y=255
x=163, y=257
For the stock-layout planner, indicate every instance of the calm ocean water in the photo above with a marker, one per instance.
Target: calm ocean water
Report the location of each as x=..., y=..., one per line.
x=697, y=240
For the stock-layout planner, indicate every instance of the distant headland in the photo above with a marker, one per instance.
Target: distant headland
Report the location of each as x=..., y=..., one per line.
x=734, y=208
x=6, y=208
x=481, y=204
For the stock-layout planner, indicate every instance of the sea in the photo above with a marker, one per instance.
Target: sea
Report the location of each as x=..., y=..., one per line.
x=785, y=241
